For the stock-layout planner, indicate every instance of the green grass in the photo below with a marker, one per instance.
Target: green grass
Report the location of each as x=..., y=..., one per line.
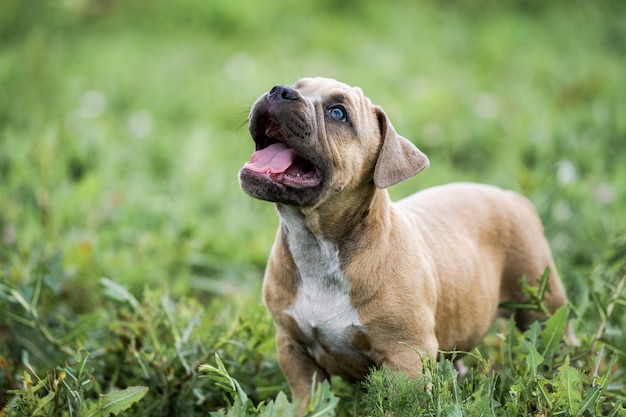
x=129, y=256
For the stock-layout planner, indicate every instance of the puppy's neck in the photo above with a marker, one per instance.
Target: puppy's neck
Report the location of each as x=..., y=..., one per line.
x=340, y=217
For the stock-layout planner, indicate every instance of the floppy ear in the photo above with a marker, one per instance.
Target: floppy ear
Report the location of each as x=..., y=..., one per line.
x=398, y=158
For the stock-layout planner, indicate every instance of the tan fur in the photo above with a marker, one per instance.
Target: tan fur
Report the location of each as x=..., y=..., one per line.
x=429, y=270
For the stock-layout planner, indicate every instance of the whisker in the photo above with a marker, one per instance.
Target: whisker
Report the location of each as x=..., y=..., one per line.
x=242, y=116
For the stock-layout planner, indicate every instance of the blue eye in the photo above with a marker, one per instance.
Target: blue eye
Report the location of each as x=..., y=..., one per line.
x=338, y=113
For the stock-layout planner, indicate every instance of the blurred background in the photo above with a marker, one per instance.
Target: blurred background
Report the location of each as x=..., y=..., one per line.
x=123, y=127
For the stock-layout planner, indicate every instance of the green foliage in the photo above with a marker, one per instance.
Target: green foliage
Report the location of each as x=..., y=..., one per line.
x=129, y=256
x=67, y=392
x=130, y=349
x=321, y=403
x=526, y=384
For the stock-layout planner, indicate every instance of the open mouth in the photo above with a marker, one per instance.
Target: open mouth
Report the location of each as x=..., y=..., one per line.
x=277, y=161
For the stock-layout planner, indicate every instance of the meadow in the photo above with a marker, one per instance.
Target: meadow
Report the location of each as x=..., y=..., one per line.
x=131, y=262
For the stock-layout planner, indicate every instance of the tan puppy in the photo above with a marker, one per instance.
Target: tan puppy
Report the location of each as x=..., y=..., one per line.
x=351, y=274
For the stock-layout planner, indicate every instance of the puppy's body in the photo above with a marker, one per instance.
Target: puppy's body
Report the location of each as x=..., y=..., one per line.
x=352, y=274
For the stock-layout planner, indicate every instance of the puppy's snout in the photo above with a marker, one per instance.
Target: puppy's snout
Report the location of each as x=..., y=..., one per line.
x=281, y=92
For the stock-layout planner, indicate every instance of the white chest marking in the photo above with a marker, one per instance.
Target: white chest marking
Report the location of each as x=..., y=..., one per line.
x=322, y=309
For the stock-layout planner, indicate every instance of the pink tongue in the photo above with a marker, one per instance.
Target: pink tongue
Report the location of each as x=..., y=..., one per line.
x=274, y=159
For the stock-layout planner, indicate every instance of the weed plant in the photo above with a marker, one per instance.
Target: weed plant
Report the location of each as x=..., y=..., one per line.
x=131, y=263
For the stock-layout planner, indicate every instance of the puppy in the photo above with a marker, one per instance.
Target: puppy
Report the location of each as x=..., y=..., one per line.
x=352, y=274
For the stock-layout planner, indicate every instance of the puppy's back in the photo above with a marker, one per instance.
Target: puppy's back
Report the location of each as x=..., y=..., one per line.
x=488, y=224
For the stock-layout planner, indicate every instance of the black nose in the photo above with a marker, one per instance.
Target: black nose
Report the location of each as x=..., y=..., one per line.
x=281, y=92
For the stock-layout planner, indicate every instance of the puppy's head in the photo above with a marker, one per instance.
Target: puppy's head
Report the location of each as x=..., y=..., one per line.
x=321, y=136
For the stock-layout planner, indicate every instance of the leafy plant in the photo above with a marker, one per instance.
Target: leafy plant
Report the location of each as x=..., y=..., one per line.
x=69, y=391
x=150, y=346
x=321, y=403
x=530, y=383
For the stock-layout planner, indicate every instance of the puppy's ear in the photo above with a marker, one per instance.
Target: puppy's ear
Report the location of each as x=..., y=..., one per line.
x=398, y=158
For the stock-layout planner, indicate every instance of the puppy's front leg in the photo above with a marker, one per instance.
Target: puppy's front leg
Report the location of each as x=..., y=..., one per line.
x=298, y=367
x=409, y=357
